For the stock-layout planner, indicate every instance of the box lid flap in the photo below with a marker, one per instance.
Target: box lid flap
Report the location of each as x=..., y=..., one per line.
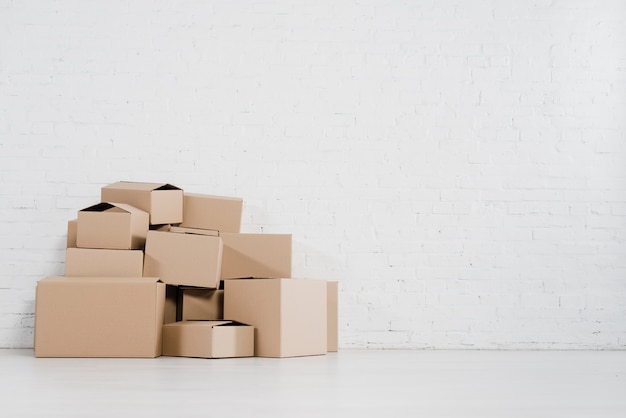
x=99, y=280
x=132, y=185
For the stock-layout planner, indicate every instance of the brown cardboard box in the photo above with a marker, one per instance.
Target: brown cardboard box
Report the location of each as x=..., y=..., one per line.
x=88, y=262
x=198, y=304
x=289, y=315
x=99, y=317
x=256, y=255
x=113, y=226
x=183, y=259
x=72, y=228
x=332, y=303
x=184, y=230
x=164, y=202
x=208, y=339
x=219, y=213
x=171, y=310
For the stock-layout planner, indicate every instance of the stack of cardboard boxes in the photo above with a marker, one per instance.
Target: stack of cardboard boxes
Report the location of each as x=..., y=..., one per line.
x=152, y=270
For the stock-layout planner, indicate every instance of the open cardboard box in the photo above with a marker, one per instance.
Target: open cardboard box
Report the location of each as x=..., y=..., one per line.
x=163, y=201
x=115, y=226
x=208, y=339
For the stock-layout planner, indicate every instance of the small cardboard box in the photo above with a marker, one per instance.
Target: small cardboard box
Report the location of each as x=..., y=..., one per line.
x=113, y=226
x=256, y=255
x=88, y=262
x=198, y=304
x=99, y=317
x=208, y=339
x=332, y=304
x=164, y=202
x=219, y=213
x=72, y=228
x=183, y=259
x=289, y=315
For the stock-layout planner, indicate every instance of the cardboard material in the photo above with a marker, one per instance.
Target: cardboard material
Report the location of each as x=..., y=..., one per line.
x=184, y=230
x=113, y=226
x=72, y=228
x=208, y=339
x=99, y=262
x=171, y=310
x=219, y=213
x=332, y=309
x=99, y=317
x=256, y=255
x=201, y=304
x=289, y=315
x=184, y=259
x=164, y=202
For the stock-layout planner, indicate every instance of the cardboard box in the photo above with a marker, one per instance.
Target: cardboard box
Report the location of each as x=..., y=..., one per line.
x=332, y=309
x=184, y=230
x=108, y=263
x=72, y=228
x=256, y=255
x=99, y=317
x=289, y=315
x=113, y=226
x=171, y=311
x=164, y=202
x=198, y=304
x=183, y=259
x=208, y=339
x=219, y=213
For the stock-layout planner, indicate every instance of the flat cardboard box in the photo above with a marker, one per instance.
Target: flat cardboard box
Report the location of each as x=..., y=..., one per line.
x=115, y=226
x=91, y=262
x=183, y=259
x=332, y=306
x=72, y=228
x=289, y=315
x=164, y=202
x=256, y=255
x=185, y=230
x=199, y=304
x=219, y=213
x=99, y=317
x=208, y=339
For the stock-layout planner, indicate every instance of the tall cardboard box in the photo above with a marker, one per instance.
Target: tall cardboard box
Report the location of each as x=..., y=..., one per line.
x=183, y=259
x=164, y=202
x=116, y=226
x=198, y=304
x=332, y=305
x=108, y=263
x=72, y=229
x=208, y=339
x=256, y=255
x=219, y=213
x=99, y=317
x=289, y=315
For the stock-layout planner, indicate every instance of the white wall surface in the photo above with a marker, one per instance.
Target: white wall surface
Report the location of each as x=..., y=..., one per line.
x=459, y=166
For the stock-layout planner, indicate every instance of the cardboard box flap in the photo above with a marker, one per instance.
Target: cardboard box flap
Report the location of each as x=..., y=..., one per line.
x=131, y=185
x=101, y=279
x=112, y=207
x=183, y=230
x=234, y=199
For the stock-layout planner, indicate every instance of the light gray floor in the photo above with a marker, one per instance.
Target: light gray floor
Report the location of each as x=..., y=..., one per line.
x=373, y=383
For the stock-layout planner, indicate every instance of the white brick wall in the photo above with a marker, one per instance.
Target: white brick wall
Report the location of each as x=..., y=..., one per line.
x=459, y=166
